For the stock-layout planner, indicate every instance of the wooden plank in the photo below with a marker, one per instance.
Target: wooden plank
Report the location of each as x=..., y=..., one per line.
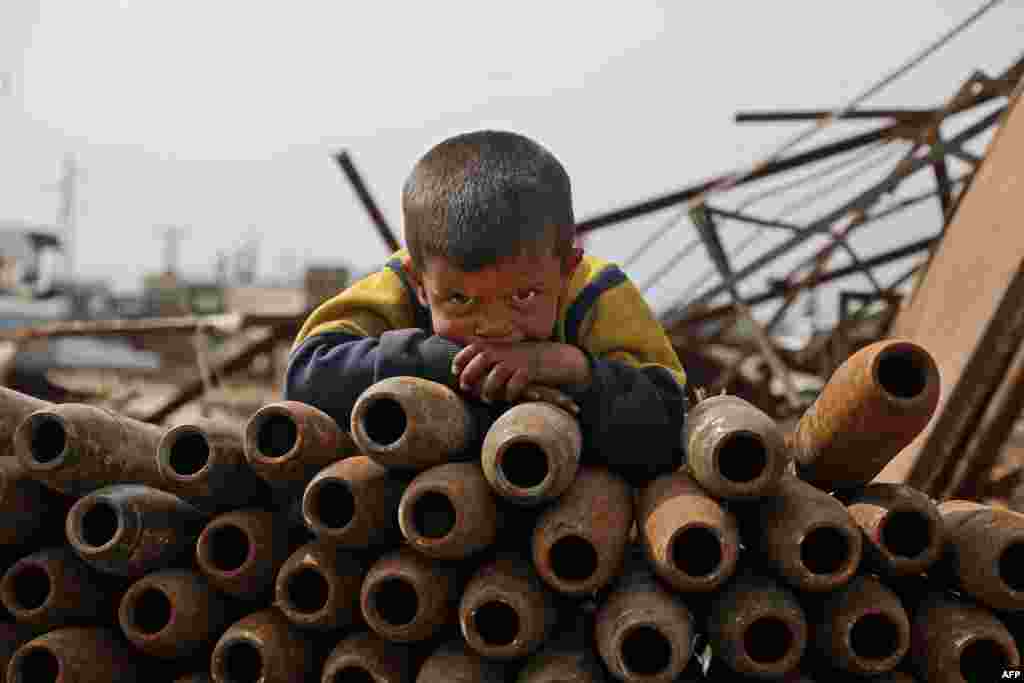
x=969, y=309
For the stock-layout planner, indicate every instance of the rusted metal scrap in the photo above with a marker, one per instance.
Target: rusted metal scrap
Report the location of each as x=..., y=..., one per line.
x=454, y=661
x=868, y=411
x=317, y=587
x=579, y=542
x=262, y=648
x=448, y=512
x=412, y=423
x=75, y=654
x=354, y=503
x=691, y=541
x=734, y=450
x=368, y=657
x=531, y=453
x=406, y=597
x=241, y=551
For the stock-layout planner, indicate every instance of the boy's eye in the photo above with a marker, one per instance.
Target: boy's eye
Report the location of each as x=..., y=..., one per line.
x=458, y=299
x=524, y=296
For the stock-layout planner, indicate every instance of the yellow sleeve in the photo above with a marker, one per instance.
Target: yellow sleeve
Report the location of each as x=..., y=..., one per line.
x=621, y=326
x=368, y=307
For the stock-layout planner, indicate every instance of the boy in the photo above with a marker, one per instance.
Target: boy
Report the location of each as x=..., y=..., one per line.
x=492, y=298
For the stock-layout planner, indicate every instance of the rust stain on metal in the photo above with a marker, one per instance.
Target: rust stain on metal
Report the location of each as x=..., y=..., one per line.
x=733, y=449
x=285, y=655
x=241, y=551
x=449, y=512
x=872, y=406
x=387, y=593
x=904, y=531
x=691, y=541
x=986, y=551
x=378, y=660
x=318, y=587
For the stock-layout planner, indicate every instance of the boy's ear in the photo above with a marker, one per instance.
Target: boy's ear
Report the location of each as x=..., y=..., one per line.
x=571, y=260
x=415, y=279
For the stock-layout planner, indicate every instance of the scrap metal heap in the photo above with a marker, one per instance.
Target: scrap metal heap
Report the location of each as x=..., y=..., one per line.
x=424, y=543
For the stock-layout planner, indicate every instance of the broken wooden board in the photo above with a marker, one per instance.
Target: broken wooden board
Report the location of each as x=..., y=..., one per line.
x=969, y=310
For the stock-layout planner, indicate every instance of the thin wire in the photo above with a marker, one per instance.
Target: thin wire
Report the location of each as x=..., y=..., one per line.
x=730, y=180
x=688, y=248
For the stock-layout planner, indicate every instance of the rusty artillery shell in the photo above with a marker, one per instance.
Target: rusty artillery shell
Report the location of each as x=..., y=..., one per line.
x=412, y=423
x=902, y=526
x=195, y=678
x=406, y=597
x=985, y=549
x=448, y=512
x=579, y=542
x=74, y=654
x=52, y=588
x=874, y=404
x=262, y=648
x=288, y=442
x=77, y=448
x=644, y=632
x=861, y=628
x=531, y=453
x=566, y=658
x=808, y=536
x=24, y=503
x=691, y=541
x=204, y=463
x=353, y=503
x=318, y=587
x=367, y=657
x=130, y=529
x=757, y=627
x=959, y=642
x=454, y=662
x=241, y=551
x=11, y=638
x=172, y=613
x=506, y=612
x=734, y=450
x=15, y=407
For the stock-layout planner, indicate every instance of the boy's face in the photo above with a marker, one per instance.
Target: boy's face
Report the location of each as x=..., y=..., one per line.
x=515, y=300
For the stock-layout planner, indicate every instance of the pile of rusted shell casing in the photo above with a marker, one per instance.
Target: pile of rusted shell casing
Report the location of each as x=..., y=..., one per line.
x=416, y=545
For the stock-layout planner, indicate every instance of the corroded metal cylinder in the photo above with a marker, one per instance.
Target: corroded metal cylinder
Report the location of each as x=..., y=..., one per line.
x=74, y=654
x=531, y=453
x=318, y=587
x=579, y=542
x=644, y=632
x=130, y=529
x=567, y=658
x=985, y=546
x=454, y=662
x=734, y=450
x=172, y=613
x=11, y=638
x=368, y=658
x=241, y=551
x=861, y=628
x=77, y=448
x=872, y=407
x=53, y=587
x=407, y=597
x=691, y=541
x=757, y=627
x=959, y=642
x=24, y=503
x=902, y=528
x=204, y=463
x=412, y=423
x=262, y=648
x=448, y=512
x=808, y=536
x=15, y=407
x=288, y=442
x=353, y=503
x=506, y=612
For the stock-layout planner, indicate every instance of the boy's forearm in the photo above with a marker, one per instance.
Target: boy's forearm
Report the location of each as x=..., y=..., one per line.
x=563, y=365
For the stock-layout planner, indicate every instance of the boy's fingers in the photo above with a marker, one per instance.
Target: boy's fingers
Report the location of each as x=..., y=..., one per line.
x=493, y=388
x=462, y=357
x=475, y=371
x=516, y=386
x=536, y=392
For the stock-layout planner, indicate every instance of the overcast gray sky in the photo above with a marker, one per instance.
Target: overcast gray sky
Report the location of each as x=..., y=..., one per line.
x=223, y=116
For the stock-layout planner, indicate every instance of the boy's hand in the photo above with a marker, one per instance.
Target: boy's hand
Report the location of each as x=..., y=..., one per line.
x=497, y=372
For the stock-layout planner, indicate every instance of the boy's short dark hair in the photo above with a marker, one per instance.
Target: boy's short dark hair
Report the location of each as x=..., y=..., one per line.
x=478, y=197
